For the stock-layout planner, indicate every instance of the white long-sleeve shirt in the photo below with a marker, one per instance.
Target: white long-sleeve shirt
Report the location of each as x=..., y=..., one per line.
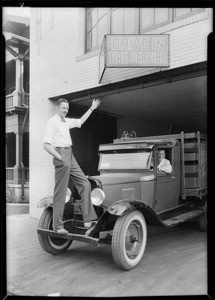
x=57, y=132
x=165, y=165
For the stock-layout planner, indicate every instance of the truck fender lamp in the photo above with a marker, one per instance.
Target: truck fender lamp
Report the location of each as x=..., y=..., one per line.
x=97, y=196
x=68, y=195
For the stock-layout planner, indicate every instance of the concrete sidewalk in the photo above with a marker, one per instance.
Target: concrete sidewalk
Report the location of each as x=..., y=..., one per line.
x=175, y=263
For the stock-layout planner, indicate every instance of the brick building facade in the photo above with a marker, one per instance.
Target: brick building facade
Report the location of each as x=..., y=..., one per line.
x=61, y=65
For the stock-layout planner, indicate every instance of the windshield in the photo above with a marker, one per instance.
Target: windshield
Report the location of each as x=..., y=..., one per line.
x=122, y=161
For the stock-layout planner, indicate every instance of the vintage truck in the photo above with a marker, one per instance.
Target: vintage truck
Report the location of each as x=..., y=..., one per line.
x=130, y=194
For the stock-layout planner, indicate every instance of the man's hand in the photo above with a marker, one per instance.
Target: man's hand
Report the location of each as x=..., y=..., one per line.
x=95, y=103
x=51, y=150
x=159, y=168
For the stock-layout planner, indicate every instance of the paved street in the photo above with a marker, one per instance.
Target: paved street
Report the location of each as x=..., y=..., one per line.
x=175, y=263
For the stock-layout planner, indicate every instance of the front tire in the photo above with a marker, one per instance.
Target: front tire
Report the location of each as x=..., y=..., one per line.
x=50, y=244
x=129, y=240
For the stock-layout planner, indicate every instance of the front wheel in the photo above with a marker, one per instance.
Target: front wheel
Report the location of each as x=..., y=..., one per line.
x=50, y=244
x=129, y=240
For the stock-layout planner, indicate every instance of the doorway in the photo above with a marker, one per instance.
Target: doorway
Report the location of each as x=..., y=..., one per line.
x=98, y=129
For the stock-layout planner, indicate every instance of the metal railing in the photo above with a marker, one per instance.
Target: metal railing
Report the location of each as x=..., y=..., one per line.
x=10, y=100
x=26, y=99
x=10, y=174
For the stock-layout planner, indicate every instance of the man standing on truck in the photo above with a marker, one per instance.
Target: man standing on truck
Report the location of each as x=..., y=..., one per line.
x=58, y=143
x=163, y=163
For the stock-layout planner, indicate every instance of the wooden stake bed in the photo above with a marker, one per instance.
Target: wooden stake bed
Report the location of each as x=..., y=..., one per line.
x=193, y=159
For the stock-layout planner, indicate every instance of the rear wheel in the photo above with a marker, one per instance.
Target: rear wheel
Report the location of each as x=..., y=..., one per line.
x=51, y=244
x=129, y=240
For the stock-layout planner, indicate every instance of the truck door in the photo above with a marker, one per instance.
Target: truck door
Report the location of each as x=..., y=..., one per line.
x=168, y=185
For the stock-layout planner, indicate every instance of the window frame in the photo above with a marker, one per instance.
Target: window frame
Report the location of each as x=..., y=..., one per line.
x=137, y=20
x=120, y=155
x=171, y=19
x=187, y=15
x=168, y=156
x=155, y=26
x=87, y=50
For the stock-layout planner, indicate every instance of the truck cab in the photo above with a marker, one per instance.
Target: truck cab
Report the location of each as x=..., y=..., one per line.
x=128, y=170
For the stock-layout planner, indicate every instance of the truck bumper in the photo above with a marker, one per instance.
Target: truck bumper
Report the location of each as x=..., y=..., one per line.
x=69, y=236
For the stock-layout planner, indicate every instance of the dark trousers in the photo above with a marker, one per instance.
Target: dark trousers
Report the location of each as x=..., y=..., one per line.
x=63, y=169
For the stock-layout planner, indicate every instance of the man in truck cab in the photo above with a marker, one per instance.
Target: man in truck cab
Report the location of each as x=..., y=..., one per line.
x=163, y=163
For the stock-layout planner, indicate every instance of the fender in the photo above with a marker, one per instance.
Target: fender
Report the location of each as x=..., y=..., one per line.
x=48, y=201
x=122, y=207
x=45, y=202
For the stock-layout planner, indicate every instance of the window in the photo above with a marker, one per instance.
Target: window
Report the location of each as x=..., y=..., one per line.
x=153, y=17
x=168, y=153
x=125, y=161
x=102, y=24
x=97, y=26
x=124, y=21
x=117, y=21
x=102, y=20
x=180, y=13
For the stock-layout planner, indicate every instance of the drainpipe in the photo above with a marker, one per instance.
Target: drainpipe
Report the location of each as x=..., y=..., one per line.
x=22, y=133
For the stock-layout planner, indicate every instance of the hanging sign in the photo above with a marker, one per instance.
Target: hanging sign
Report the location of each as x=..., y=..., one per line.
x=134, y=51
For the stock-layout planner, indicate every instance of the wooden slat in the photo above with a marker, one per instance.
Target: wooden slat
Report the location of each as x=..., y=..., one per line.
x=9, y=174
x=195, y=135
x=190, y=156
x=192, y=175
x=190, y=145
x=183, y=182
x=191, y=168
x=192, y=182
x=191, y=150
x=199, y=159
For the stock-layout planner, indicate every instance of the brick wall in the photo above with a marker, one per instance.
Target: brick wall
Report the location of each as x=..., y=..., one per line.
x=59, y=65
x=66, y=68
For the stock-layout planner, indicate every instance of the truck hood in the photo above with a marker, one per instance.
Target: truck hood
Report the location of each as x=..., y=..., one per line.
x=118, y=178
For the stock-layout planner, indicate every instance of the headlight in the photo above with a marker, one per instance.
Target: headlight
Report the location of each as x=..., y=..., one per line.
x=68, y=195
x=97, y=196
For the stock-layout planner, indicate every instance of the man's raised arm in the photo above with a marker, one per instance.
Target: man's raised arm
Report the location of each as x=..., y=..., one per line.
x=95, y=104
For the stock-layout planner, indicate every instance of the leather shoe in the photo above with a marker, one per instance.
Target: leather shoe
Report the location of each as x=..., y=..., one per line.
x=62, y=231
x=91, y=228
x=88, y=225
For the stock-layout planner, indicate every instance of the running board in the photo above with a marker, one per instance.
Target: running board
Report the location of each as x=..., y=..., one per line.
x=181, y=218
x=69, y=236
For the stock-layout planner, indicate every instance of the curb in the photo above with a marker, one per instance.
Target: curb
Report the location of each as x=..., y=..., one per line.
x=17, y=208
